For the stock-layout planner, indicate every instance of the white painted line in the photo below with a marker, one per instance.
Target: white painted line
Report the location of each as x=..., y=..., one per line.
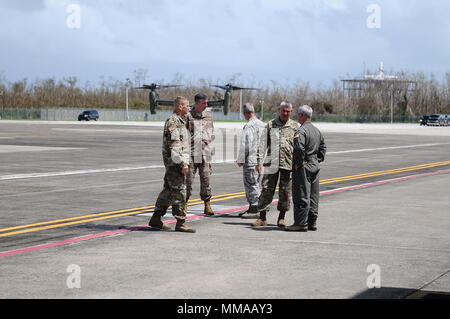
x=80, y=172
x=386, y=148
x=92, y=130
x=83, y=172
x=122, y=169
x=194, y=209
x=24, y=148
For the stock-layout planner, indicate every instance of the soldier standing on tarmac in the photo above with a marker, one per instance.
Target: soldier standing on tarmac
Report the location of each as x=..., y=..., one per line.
x=247, y=159
x=200, y=125
x=309, y=151
x=275, y=156
x=176, y=154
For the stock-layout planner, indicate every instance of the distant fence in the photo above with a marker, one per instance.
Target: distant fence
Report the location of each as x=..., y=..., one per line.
x=335, y=118
x=71, y=114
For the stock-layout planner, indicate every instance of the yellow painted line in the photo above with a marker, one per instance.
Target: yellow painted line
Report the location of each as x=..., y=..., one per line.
x=388, y=172
x=93, y=219
x=135, y=211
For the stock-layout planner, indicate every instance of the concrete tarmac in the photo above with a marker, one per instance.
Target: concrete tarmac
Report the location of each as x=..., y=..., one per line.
x=75, y=200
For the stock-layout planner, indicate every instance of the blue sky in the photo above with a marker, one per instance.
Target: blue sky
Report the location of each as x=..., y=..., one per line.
x=263, y=40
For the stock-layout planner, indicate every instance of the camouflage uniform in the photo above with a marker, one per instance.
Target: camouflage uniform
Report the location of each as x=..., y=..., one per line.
x=248, y=154
x=276, y=151
x=176, y=153
x=309, y=151
x=201, y=128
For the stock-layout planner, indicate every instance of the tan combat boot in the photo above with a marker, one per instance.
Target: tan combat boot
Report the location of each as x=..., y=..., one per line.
x=181, y=227
x=157, y=223
x=208, y=210
x=262, y=221
x=251, y=213
x=281, y=223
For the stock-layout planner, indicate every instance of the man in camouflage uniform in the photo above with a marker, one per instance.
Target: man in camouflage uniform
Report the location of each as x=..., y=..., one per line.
x=247, y=159
x=176, y=153
x=275, y=157
x=200, y=125
x=309, y=151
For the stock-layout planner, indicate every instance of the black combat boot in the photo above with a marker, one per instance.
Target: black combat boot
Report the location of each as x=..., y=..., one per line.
x=281, y=223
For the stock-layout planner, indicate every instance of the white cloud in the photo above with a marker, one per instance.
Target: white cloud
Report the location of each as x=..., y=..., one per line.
x=270, y=38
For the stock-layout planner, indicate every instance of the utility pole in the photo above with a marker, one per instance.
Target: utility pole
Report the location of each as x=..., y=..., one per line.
x=3, y=103
x=262, y=110
x=240, y=105
x=392, y=107
x=127, y=86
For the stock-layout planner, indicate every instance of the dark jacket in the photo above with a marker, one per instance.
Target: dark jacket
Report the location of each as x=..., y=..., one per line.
x=309, y=148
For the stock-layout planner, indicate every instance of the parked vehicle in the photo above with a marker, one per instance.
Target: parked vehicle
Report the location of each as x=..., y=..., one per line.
x=424, y=120
x=88, y=115
x=433, y=120
x=444, y=119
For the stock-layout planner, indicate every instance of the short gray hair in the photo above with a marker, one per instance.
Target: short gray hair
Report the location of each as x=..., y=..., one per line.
x=248, y=108
x=305, y=110
x=285, y=104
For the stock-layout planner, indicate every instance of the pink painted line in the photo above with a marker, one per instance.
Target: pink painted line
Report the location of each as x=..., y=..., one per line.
x=104, y=234
x=399, y=179
x=120, y=231
x=61, y=243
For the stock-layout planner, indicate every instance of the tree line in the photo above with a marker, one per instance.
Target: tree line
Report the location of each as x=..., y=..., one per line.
x=430, y=95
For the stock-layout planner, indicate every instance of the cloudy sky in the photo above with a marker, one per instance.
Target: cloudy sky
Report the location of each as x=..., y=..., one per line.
x=263, y=40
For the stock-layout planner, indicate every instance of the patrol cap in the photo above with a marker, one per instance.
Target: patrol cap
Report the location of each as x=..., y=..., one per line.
x=248, y=108
x=200, y=96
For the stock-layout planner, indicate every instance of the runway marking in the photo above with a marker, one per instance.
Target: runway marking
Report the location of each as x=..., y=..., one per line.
x=120, y=231
x=78, y=172
x=97, y=216
x=23, y=148
x=386, y=148
x=91, y=130
x=83, y=172
x=399, y=179
x=387, y=172
x=123, y=169
x=16, y=230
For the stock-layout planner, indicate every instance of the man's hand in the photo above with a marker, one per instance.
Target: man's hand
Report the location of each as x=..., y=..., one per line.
x=260, y=169
x=185, y=170
x=239, y=164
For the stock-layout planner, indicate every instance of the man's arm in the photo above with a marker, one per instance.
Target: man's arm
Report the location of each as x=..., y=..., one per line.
x=299, y=149
x=262, y=147
x=179, y=155
x=322, y=149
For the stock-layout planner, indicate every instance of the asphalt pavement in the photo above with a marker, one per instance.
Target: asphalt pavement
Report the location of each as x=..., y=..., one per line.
x=75, y=200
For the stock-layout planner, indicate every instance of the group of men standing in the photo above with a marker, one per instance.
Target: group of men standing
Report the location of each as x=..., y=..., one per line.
x=283, y=152
x=187, y=149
